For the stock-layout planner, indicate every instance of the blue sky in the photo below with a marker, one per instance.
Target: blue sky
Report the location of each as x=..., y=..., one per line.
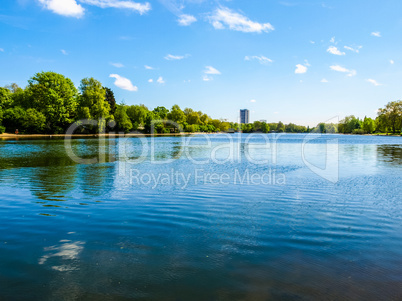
x=294, y=61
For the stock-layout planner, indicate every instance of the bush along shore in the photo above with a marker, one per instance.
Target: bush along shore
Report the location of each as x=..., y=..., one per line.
x=50, y=104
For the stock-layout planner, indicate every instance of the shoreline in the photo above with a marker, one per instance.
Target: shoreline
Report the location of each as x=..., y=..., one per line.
x=108, y=135
x=113, y=135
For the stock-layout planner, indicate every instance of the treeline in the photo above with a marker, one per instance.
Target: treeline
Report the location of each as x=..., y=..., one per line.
x=389, y=120
x=51, y=103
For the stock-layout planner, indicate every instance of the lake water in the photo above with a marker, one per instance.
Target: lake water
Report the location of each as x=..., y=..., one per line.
x=215, y=217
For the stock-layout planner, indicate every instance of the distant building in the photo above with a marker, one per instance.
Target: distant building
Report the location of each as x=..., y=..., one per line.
x=244, y=116
x=263, y=120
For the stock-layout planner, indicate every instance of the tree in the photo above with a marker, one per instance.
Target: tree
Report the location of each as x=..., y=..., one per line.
x=137, y=114
x=176, y=115
x=162, y=112
x=93, y=97
x=280, y=127
x=5, y=98
x=391, y=115
x=122, y=120
x=33, y=121
x=265, y=127
x=55, y=96
x=369, y=125
x=349, y=124
x=109, y=98
x=12, y=119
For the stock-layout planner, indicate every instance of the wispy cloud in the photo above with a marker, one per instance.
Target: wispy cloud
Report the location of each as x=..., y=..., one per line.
x=67, y=8
x=332, y=40
x=357, y=49
x=334, y=50
x=117, y=65
x=374, y=82
x=253, y=101
x=211, y=70
x=160, y=80
x=376, y=34
x=140, y=8
x=171, y=57
x=150, y=80
x=1, y=50
x=186, y=20
x=324, y=80
x=207, y=78
x=223, y=18
x=63, y=52
x=123, y=83
x=262, y=59
x=70, y=8
x=391, y=62
x=343, y=70
x=149, y=67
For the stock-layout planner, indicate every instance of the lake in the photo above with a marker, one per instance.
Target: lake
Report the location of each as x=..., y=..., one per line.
x=208, y=217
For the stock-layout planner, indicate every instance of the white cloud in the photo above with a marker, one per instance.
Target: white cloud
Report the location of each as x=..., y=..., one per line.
x=324, y=80
x=357, y=49
x=68, y=8
x=332, y=40
x=253, y=100
x=262, y=59
x=160, y=80
x=207, y=78
x=186, y=20
x=300, y=69
x=374, y=82
x=1, y=50
x=312, y=42
x=141, y=8
x=335, y=50
x=117, y=65
x=171, y=57
x=376, y=34
x=149, y=67
x=150, y=80
x=64, y=52
x=391, y=62
x=211, y=70
x=344, y=70
x=223, y=18
x=123, y=83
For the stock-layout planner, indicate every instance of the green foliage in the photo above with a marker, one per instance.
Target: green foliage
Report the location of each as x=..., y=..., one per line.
x=109, y=98
x=265, y=127
x=93, y=97
x=358, y=132
x=33, y=121
x=12, y=119
x=350, y=123
x=55, y=96
x=161, y=112
x=5, y=98
x=176, y=115
x=280, y=127
x=2, y=129
x=369, y=125
x=390, y=117
x=122, y=120
x=137, y=115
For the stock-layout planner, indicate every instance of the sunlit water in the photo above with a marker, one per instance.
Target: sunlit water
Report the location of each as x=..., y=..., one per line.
x=236, y=218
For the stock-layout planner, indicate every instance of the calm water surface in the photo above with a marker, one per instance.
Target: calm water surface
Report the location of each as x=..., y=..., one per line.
x=238, y=230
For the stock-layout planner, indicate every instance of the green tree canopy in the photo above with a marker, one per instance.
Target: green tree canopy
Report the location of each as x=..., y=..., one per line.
x=391, y=116
x=55, y=96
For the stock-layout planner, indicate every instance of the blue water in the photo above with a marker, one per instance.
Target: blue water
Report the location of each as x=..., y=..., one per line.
x=232, y=217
